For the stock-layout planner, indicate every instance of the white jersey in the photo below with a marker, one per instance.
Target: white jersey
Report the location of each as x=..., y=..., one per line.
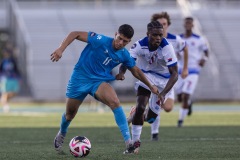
x=196, y=47
x=154, y=62
x=177, y=42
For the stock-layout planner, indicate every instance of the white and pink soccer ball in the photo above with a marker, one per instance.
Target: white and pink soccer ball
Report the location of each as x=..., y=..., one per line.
x=80, y=146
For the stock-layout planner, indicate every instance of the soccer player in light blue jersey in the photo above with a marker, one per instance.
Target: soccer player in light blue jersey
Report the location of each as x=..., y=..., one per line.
x=91, y=75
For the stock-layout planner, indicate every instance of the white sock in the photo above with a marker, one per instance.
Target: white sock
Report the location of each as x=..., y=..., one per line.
x=6, y=108
x=182, y=113
x=136, y=132
x=155, y=125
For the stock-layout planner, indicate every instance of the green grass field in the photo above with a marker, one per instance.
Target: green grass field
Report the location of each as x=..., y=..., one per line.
x=27, y=133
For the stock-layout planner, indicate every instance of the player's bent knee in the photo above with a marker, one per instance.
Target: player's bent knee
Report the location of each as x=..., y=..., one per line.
x=168, y=109
x=114, y=103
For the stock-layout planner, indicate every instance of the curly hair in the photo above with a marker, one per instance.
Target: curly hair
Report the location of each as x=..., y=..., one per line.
x=154, y=24
x=165, y=15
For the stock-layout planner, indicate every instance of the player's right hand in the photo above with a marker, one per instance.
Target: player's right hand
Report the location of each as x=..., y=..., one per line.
x=56, y=55
x=120, y=77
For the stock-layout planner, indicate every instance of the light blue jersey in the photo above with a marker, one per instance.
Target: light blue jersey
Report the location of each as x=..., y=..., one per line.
x=94, y=66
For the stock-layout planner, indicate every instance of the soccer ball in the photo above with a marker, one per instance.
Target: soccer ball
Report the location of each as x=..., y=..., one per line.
x=80, y=146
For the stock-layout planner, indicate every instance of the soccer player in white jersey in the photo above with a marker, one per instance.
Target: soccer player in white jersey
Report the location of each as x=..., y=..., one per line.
x=179, y=45
x=197, y=56
x=155, y=56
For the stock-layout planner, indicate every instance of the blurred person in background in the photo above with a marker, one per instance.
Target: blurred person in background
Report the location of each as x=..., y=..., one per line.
x=91, y=75
x=155, y=56
x=9, y=79
x=9, y=47
x=197, y=57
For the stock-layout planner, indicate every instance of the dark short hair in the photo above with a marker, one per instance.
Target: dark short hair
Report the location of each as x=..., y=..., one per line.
x=126, y=30
x=154, y=24
x=189, y=18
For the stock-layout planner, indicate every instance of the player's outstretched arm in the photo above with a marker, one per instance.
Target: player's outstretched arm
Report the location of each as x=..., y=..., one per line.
x=79, y=35
x=136, y=72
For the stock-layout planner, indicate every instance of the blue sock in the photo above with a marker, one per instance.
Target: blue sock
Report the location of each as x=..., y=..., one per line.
x=64, y=124
x=121, y=121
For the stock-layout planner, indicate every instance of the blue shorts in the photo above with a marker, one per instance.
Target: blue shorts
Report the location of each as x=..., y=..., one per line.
x=9, y=85
x=79, y=89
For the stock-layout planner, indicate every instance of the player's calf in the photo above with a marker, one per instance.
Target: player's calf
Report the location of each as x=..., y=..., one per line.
x=150, y=116
x=130, y=117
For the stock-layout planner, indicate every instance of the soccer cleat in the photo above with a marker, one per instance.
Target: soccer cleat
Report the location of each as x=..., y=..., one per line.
x=133, y=148
x=130, y=117
x=58, y=141
x=130, y=149
x=190, y=109
x=180, y=123
x=136, y=145
x=155, y=137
